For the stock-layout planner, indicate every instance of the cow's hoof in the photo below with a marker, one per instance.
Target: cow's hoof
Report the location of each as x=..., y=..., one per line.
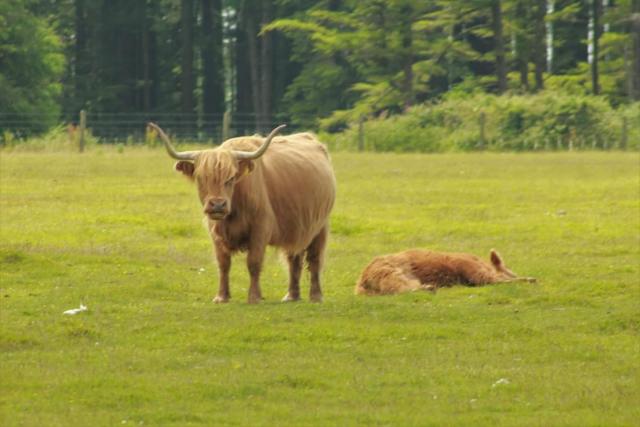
x=289, y=298
x=220, y=300
x=254, y=299
x=315, y=298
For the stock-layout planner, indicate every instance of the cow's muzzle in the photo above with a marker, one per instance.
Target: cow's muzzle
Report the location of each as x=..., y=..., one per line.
x=216, y=209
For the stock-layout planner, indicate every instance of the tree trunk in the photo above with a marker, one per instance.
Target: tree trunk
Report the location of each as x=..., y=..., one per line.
x=407, y=47
x=501, y=66
x=81, y=60
x=146, y=60
x=244, y=109
x=597, y=32
x=550, y=37
x=522, y=44
x=539, y=43
x=266, y=68
x=213, y=67
x=187, y=56
x=634, y=74
x=252, y=42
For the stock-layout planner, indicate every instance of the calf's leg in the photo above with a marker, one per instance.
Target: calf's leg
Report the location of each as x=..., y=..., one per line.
x=519, y=279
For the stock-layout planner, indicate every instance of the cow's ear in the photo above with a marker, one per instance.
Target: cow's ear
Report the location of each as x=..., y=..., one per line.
x=245, y=167
x=187, y=168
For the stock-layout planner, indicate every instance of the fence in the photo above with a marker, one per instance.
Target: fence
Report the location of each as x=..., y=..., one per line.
x=192, y=127
x=213, y=129
x=119, y=127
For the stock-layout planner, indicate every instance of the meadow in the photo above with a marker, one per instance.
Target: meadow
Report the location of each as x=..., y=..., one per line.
x=120, y=232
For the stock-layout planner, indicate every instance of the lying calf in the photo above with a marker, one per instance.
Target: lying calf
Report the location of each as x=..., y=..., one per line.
x=419, y=269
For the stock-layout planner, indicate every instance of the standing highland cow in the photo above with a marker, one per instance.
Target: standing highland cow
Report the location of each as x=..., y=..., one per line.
x=254, y=197
x=427, y=270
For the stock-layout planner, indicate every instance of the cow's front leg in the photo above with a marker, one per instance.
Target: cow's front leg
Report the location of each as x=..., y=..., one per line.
x=224, y=265
x=254, y=265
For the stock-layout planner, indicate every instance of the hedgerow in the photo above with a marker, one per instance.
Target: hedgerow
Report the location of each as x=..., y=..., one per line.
x=545, y=121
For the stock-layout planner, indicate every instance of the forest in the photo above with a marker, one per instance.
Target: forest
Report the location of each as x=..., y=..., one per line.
x=326, y=65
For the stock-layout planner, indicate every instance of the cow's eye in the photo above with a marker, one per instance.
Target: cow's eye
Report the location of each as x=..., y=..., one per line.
x=229, y=182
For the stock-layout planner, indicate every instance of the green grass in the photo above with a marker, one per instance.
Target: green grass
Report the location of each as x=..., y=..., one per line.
x=122, y=233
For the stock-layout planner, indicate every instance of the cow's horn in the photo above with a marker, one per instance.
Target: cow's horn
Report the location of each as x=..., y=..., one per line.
x=250, y=155
x=178, y=155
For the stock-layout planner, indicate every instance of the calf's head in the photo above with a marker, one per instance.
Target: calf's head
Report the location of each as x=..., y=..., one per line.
x=215, y=171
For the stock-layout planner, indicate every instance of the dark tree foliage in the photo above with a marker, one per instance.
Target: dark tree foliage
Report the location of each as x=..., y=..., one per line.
x=31, y=66
x=304, y=62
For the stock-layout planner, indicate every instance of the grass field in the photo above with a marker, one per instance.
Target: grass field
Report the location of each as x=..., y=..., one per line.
x=122, y=233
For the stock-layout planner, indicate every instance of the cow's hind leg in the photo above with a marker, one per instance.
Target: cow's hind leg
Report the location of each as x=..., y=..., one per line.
x=315, y=255
x=295, y=270
x=254, y=265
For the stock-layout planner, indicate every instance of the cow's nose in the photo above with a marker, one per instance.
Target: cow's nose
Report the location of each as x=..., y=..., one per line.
x=216, y=206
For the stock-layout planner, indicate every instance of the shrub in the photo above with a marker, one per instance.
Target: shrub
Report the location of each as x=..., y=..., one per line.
x=547, y=120
x=59, y=138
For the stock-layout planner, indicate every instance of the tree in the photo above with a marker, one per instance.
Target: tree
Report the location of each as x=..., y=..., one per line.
x=266, y=68
x=370, y=51
x=522, y=39
x=251, y=30
x=81, y=54
x=212, y=62
x=570, y=21
x=539, y=42
x=187, y=79
x=31, y=65
x=501, y=66
x=244, y=107
x=634, y=67
x=596, y=14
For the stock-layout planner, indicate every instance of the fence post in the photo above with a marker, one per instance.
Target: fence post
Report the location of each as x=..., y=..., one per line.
x=83, y=125
x=361, y=133
x=623, y=138
x=226, y=125
x=483, y=122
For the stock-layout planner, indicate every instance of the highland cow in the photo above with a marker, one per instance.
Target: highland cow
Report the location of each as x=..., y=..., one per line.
x=427, y=270
x=253, y=197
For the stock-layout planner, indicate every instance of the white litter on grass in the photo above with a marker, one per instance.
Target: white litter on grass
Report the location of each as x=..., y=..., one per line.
x=74, y=311
x=500, y=381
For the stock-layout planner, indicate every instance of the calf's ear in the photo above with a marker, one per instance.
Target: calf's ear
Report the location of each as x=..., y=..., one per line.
x=244, y=168
x=496, y=260
x=187, y=168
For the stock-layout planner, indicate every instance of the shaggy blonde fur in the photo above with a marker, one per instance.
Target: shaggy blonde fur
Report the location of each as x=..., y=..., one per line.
x=427, y=270
x=281, y=199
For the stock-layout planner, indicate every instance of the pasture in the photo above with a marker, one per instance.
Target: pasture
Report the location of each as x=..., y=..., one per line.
x=119, y=231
